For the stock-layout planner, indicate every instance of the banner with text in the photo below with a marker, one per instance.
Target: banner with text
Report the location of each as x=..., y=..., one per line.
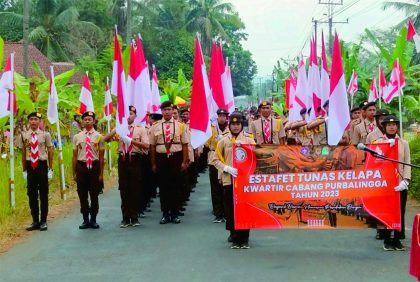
x=281, y=186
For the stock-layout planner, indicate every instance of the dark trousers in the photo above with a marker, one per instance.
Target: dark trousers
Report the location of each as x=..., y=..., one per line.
x=216, y=192
x=170, y=181
x=38, y=185
x=88, y=185
x=147, y=182
x=398, y=235
x=130, y=184
x=239, y=236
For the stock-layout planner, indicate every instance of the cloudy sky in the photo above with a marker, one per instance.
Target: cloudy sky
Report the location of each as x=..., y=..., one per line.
x=281, y=28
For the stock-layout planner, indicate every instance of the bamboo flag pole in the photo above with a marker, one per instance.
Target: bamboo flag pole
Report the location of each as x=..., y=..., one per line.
x=379, y=88
x=60, y=151
x=108, y=126
x=11, y=139
x=400, y=98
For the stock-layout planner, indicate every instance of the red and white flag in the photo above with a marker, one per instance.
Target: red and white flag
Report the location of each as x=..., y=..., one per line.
x=227, y=85
x=300, y=97
x=373, y=92
x=200, y=100
x=215, y=79
x=133, y=74
x=338, y=113
x=85, y=98
x=314, y=81
x=412, y=34
x=382, y=83
x=292, y=89
x=353, y=87
x=155, y=93
x=396, y=82
x=52, y=112
x=6, y=89
x=108, y=107
x=142, y=92
x=118, y=88
x=325, y=78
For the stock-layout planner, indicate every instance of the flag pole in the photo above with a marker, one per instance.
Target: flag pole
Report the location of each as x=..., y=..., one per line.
x=400, y=98
x=108, y=129
x=60, y=152
x=11, y=139
x=351, y=95
x=379, y=89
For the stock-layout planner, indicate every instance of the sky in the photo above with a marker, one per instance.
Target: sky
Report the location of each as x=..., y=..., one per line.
x=281, y=28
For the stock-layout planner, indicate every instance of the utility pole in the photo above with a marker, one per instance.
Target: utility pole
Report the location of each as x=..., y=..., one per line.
x=331, y=4
x=316, y=30
x=25, y=37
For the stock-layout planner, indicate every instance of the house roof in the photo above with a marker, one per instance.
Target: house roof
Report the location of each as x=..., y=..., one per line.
x=36, y=56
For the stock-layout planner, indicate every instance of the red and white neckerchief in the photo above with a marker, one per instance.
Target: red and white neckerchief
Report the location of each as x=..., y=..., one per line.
x=267, y=131
x=34, y=151
x=371, y=127
x=168, y=137
x=88, y=152
x=129, y=150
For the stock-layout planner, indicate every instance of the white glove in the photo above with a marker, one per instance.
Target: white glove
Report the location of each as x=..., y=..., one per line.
x=391, y=142
x=25, y=175
x=231, y=170
x=50, y=174
x=238, y=142
x=402, y=186
x=127, y=140
x=325, y=119
x=219, y=137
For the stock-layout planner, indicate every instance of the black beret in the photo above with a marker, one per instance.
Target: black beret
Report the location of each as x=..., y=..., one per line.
x=381, y=112
x=389, y=119
x=303, y=111
x=369, y=104
x=362, y=105
x=355, y=109
x=35, y=114
x=236, y=117
x=166, y=104
x=88, y=114
x=222, y=111
x=132, y=109
x=264, y=103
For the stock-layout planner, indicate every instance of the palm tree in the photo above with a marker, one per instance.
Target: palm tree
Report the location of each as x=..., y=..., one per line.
x=411, y=10
x=209, y=17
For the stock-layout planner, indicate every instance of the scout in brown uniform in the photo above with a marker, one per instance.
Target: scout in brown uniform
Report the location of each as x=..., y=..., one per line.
x=222, y=160
x=378, y=132
x=169, y=156
x=267, y=129
x=299, y=132
x=37, y=156
x=130, y=183
x=366, y=126
x=319, y=128
x=391, y=126
x=152, y=179
x=218, y=131
x=88, y=168
x=356, y=118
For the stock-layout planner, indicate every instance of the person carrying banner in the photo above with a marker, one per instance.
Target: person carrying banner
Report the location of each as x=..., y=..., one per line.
x=267, y=129
x=366, y=126
x=169, y=158
x=88, y=168
x=391, y=127
x=37, y=161
x=222, y=160
x=131, y=152
x=379, y=131
x=218, y=131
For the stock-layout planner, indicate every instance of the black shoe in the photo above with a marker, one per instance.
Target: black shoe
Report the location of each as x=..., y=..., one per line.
x=93, y=224
x=181, y=214
x=218, y=219
x=43, y=226
x=142, y=215
x=235, y=246
x=182, y=209
x=398, y=246
x=33, y=226
x=84, y=225
x=148, y=210
x=388, y=247
x=165, y=220
x=379, y=236
x=245, y=246
x=135, y=222
x=229, y=239
x=125, y=223
x=176, y=220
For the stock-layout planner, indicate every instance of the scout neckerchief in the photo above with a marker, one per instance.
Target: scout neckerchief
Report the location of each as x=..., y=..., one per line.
x=369, y=128
x=128, y=150
x=88, y=151
x=167, y=135
x=267, y=128
x=34, y=151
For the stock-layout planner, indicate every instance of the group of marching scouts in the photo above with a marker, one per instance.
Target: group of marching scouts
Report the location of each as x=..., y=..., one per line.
x=160, y=155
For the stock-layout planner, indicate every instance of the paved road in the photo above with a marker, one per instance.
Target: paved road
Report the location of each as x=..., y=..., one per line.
x=196, y=250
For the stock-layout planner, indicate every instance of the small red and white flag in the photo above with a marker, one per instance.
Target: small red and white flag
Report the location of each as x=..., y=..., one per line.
x=85, y=98
x=338, y=113
x=118, y=88
x=353, y=87
x=314, y=81
x=412, y=34
x=52, y=112
x=395, y=84
x=300, y=97
x=108, y=107
x=215, y=80
x=6, y=89
x=290, y=93
x=155, y=92
x=373, y=92
x=382, y=83
x=200, y=100
x=325, y=78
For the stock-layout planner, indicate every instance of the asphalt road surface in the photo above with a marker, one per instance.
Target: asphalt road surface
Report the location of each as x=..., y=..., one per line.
x=197, y=250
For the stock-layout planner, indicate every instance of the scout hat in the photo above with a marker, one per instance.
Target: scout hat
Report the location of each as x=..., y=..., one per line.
x=355, y=109
x=264, y=103
x=132, y=109
x=222, y=111
x=368, y=104
x=35, y=114
x=166, y=104
x=363, y=104
x=389, y=119
x=236, y=117
x=381, y=112
x=88, y=114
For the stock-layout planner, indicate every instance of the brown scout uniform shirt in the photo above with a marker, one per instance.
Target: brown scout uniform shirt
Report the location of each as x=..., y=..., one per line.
x=96, y=140
x=216, y=136
x=140, y=135
x=361, y=132
x=276, y=129
x=223, y=154
x=376, y=134
x=178, y=138
x=44, y=142
x=319, y=135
